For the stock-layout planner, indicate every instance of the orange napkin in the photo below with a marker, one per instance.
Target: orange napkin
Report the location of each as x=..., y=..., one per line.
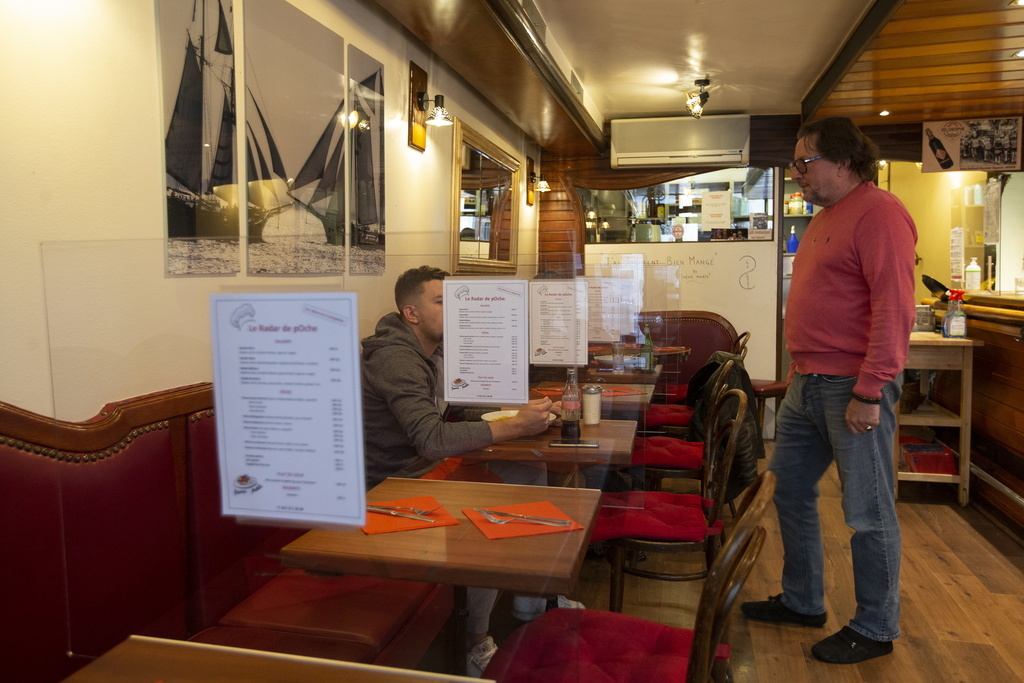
x=607, y=391
x=521, y=528
x=377, y=523
x=549, y=392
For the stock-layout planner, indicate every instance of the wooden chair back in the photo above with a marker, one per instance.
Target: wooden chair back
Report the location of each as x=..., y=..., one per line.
x=725, y=580
x=720, y=447
x=740, y=347
x=721, y=589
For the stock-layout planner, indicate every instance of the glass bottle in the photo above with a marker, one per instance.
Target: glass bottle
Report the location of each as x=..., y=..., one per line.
x=646, y=359
x=954, y=324
x=571, y=408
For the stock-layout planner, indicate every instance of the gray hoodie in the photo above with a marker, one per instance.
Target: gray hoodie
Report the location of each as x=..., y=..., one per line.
x=404, y=430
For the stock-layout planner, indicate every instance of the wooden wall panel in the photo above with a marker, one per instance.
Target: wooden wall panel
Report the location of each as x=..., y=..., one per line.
x=997, y=424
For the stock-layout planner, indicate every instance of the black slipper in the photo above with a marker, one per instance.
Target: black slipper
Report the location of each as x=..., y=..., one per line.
x=846, y=646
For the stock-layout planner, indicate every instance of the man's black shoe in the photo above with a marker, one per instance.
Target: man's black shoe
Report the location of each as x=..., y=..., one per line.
x=846, y=646
x=772, y=610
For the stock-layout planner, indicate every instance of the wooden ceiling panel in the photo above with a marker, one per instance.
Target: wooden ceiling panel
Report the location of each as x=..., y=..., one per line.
x=935, y=59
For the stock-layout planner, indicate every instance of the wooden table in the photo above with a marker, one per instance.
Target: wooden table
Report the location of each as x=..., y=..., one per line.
x=615, y=447
x=141, y=658
x=459, y=555
x=600, y=373
x=932, y=351
x=625, y=405
x=615, y=439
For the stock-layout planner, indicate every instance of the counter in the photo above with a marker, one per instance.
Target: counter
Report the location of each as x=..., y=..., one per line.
x=996, y=400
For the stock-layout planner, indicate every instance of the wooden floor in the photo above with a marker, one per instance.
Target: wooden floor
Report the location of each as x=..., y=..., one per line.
x=962, y=587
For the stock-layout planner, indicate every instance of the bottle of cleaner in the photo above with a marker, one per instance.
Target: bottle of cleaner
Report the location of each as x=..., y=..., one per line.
x=954, y=323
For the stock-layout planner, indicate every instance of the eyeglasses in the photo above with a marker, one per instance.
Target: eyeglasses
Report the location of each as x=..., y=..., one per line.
x=800, y=165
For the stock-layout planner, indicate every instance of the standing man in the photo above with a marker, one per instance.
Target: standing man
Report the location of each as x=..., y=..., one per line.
x=406, y=434
x=848, y=321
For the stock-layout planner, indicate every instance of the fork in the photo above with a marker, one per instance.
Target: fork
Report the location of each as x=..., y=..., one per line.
x=415, y=511
x=490, y=517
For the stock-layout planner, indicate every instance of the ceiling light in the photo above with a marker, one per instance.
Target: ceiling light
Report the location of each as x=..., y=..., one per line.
x=695, y=101
x=884, y=112
x=438, y=116
x=1017, y=53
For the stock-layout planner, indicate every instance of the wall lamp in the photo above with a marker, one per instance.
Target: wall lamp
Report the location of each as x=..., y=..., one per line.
x=540, y=184
x=438, y=116
x=695, y=101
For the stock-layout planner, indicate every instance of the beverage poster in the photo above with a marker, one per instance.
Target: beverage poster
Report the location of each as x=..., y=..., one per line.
x=971, y=145
x=289, y=407
x=485, y=341
x=558, y=322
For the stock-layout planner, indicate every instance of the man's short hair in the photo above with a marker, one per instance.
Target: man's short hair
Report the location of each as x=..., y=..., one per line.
x=410, y=284
x=838, y=139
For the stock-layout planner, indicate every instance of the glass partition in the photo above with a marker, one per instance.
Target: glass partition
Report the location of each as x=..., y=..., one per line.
x=119, y=329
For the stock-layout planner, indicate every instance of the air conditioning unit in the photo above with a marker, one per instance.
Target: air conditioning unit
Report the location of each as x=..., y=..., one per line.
x=680, y=141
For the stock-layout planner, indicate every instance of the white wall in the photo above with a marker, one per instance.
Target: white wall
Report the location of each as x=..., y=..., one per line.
x=88, y=315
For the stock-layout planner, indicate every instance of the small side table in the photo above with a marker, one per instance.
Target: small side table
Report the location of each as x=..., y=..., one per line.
x=932, y=351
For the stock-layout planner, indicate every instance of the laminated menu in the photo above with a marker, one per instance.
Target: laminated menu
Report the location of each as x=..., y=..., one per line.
x=485, y=341
x=288, y=406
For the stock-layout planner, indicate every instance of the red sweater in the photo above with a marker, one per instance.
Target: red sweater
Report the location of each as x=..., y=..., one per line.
x=851, y=300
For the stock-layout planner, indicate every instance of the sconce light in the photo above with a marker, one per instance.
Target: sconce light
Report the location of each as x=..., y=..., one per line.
x=541, y=185
x=695, y=101
x=438, y=116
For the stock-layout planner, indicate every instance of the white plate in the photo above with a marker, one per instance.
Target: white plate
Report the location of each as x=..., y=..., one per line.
x=506, y=414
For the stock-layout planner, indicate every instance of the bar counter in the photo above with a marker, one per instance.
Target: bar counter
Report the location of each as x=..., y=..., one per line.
x=997, y=397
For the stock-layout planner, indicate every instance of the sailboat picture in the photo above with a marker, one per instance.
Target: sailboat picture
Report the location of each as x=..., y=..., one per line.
x=366, y=93
x=295, y=136
x=199, y=111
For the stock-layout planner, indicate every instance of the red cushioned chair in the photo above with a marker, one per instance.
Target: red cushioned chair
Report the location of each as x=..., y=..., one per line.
x=667, y=415
x=568, y=646
x=703, y=332
x=665, y=457
x=659, y=522
x=764, y=389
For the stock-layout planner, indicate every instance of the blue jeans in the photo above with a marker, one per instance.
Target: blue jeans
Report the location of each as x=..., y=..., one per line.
x=811, y=434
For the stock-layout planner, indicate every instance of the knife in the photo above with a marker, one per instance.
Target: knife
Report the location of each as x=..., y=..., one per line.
x=549, y=520
x=396, y=513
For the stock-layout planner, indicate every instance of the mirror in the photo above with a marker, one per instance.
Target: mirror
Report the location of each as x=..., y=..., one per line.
x=485, y=205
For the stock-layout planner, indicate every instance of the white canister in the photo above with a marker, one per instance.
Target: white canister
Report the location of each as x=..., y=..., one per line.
x=591, y=404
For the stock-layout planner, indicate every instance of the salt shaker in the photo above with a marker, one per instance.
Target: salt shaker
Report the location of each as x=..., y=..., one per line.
x=591, y=404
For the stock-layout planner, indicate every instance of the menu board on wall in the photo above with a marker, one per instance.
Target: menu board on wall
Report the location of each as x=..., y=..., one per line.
x=289, y=411
x=558, y=322
x=485, y=341
x=971, y=145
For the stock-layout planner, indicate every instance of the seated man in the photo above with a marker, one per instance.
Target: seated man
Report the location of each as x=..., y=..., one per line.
x=406, y=433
